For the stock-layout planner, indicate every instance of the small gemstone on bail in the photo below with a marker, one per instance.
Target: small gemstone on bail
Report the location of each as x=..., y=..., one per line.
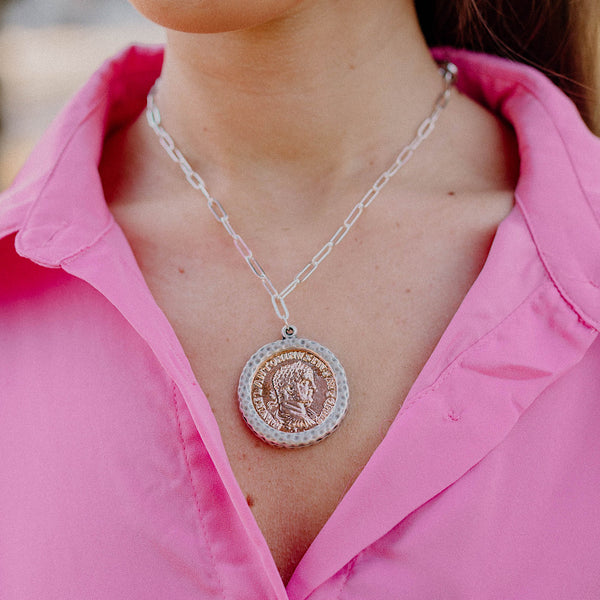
x=288, y=331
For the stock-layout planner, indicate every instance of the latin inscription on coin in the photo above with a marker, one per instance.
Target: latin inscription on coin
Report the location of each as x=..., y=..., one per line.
x=294, y=390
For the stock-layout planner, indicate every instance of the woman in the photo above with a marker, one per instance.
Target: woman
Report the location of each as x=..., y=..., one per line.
x=463, y=305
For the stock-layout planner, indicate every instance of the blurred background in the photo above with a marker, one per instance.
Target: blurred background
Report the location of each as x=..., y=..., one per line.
x=47, y=50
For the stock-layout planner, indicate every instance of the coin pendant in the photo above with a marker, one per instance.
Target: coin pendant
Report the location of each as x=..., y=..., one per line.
x=293, y=392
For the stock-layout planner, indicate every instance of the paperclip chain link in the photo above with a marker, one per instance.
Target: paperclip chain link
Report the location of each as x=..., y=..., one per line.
x=448, y=72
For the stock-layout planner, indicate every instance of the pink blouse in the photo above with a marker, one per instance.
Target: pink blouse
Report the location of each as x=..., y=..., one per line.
x=114, y=483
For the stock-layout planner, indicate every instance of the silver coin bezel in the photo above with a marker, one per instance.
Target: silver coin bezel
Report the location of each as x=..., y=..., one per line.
x=284, y=439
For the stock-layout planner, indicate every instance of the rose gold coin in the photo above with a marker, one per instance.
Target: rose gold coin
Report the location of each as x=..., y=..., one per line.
x=294, y=390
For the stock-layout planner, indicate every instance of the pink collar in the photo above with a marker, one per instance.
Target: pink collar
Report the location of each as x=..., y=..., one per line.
x=60, y=192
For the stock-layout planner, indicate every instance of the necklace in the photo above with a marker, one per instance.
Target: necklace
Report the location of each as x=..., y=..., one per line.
x=294, y=392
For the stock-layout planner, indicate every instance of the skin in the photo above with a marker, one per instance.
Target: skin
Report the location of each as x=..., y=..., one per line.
x=213, y=17
x=290, y=110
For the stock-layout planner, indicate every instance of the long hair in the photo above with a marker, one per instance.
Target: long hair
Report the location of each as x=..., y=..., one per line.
x=559, y=37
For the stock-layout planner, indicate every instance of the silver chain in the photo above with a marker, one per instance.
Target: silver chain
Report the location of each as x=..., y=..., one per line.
x=448, y=72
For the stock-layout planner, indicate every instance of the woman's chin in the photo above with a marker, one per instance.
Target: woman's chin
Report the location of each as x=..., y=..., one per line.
x=213, y=16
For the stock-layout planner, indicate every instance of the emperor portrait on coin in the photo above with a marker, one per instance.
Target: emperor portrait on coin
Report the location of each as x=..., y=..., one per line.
x=294, y=390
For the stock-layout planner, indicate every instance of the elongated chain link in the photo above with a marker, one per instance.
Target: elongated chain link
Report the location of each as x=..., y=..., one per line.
x=448, y=72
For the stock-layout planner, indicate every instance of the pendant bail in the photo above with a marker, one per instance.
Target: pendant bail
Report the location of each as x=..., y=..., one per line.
x=288, y=331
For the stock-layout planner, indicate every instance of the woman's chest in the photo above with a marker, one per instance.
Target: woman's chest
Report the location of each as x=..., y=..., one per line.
x=380, y=310
x=382, y=341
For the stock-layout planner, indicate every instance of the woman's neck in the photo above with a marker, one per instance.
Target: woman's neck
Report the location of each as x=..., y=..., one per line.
x=303, y=99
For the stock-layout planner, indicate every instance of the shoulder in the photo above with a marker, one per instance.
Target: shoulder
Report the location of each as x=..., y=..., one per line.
x=63, y=167
x=538, y=111
x=558, y=190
